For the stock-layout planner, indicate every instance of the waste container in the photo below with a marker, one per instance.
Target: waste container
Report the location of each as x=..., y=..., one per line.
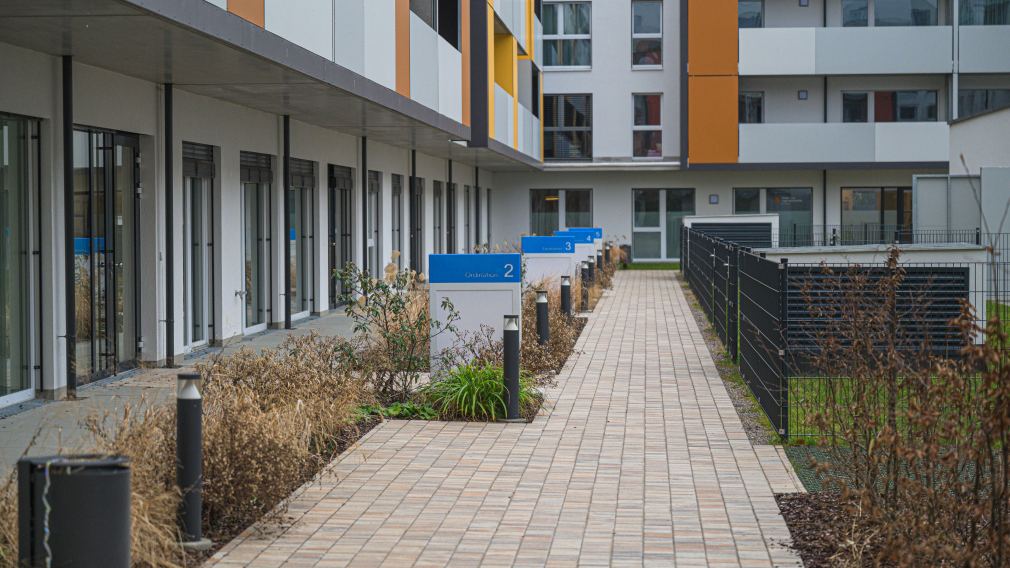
x=74, y=511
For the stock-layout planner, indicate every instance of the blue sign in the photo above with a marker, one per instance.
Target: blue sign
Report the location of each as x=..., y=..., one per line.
x=582, y=237
x=557, y=245
x=82, y=245
x=474, y=268
x=596, y=231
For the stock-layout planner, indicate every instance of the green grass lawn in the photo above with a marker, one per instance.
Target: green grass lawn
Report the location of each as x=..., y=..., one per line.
x=652, y=266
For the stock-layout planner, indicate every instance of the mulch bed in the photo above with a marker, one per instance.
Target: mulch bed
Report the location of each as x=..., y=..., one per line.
x=818, y=523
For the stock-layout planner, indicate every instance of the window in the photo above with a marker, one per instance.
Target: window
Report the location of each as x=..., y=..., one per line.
x=751, y=108
x=567, y=39
x=905, y=13
x=441, y=15
x=905, y=106
x=855, y=107
x=657, y=221
x=875, y=214
x=975, y=101
x=647, y=33
x=855, y=13
x=397, y=213
x=450, y=218
x=549, y=207
x=437, y=214
x=648, y=128
x=751, y=13
x=746, y=200
x=795, y=208
x=985, y=12
x=568, y=127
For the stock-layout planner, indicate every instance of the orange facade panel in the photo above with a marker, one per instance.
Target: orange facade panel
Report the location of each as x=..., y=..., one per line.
x=713, y=125
x=713, y=37
x=252, y=10
x=402, y=30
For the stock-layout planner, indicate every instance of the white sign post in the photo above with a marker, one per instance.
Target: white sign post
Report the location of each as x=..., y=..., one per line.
x=548, y=259
x=482, y=288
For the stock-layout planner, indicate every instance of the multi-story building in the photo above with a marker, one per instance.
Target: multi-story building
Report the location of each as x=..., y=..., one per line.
x=822, y=111
x=181, y=173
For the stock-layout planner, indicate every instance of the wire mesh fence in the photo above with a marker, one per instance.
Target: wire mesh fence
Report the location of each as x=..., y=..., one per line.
x=774, y=315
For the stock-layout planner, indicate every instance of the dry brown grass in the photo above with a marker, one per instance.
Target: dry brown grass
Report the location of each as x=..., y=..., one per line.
x=271, y=422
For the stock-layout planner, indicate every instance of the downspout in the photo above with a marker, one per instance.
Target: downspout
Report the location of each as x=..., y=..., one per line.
x=68, y=222
x=287, y=220
x=415, y=216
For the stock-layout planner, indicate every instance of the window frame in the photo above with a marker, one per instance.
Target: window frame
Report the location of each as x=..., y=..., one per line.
x=558, y=112
x=662, y=228
x=641, y=35
x=562, y=36
x=761, y=97
x=647, y=127
x=869, y=106
x=562, y=198
x=763, y=14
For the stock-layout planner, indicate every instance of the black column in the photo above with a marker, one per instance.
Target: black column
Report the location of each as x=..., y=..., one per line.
x=68, y=221
x=287, y=221
x=169, y=149
x=364, y=203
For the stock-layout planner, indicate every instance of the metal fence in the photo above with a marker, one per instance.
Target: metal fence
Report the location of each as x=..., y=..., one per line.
x=772, y=314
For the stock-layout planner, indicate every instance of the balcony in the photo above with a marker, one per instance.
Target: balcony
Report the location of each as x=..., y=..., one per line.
x=528, y=133
x=503, y=116
x=846, y=51
x=980, y=46
x=844, y=143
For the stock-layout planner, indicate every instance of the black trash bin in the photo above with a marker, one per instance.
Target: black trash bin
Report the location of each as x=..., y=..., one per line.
x=84, y=504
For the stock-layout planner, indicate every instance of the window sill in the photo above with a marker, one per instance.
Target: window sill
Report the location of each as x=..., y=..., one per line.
x=568, y=68
x=646, y=67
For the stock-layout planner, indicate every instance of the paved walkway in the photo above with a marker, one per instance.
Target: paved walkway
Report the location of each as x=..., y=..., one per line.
x=52, y=427
x=641, y=460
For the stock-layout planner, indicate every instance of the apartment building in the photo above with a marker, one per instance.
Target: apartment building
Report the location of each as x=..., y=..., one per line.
x=822, y=111
x=181, y=173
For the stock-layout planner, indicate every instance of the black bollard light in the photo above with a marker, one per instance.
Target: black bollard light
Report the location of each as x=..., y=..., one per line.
x=599, y=260
x=606, y=253
x=510, y=341
x=585, y=286
x=189, y=460
x=592, y=270
x=543, y=324
x=566, y=295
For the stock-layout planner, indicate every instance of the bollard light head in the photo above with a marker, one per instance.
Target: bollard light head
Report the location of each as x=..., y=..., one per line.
x=541, y=296
x=585, y=264
x=566, y=280
x=511, y=323
x=189, y=386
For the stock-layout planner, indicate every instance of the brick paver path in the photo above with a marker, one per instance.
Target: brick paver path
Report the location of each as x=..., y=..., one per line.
x=642, y=459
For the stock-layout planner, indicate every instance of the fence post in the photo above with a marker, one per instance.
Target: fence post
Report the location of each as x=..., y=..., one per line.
x=783, y=347
x=732, y=316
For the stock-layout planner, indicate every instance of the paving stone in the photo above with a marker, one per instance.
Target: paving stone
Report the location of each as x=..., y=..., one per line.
x=639, y=458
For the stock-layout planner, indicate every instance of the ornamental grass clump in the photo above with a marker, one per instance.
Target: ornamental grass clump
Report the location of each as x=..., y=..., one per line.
x=477, y=393
x=919, y=440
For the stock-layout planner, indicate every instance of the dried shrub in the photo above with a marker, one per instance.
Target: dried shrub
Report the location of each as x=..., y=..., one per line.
x=393, y=328
x=919, y=442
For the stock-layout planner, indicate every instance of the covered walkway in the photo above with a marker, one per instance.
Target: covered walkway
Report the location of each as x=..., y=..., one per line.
x=639, y=458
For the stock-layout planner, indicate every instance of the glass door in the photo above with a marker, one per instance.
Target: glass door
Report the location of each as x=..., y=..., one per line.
x=18, y=157
x=340, y=210
x=658, y=215
x=300, y=241
x=197, y=267
x=256, y=176
x=416, y=235
x=795, y=208
x=106, y=253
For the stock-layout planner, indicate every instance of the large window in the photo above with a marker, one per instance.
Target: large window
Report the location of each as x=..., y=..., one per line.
x=855, y=13
x=568, y=127
x=657, y=220
x=855, y=107
x=648, y=128
x=752, y=108
x=555, y=209
x=646, y=33
x=905, y=106
x=795, y=208
x=567, y=35
x=751, y=13
x=975, y=101
x=905, y=13
x=985, y=12
x=746, y=201
x=875, y=214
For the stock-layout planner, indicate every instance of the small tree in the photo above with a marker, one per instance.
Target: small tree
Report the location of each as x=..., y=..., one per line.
x=394, y=328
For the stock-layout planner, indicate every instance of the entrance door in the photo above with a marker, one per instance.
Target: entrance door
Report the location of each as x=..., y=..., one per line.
x=197, y=267
x=18, y=185
x=341, y=184
x=658, y=215
x=372, y=223
x=257, y=176
x=106, y=252
x=301, y=236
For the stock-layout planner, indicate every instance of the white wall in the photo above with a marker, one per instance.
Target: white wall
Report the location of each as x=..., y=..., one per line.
x=984, y=141
x=612, y=80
